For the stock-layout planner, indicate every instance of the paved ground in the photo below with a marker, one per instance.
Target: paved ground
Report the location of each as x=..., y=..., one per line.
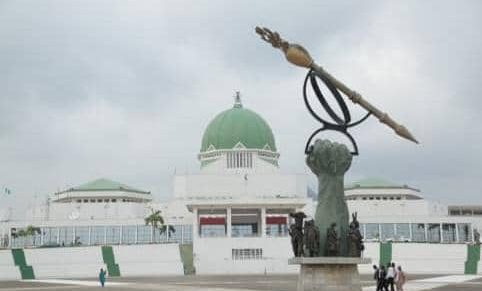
x=234, y=283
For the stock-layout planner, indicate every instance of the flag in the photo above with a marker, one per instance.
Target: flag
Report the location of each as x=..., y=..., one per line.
x=7, y=191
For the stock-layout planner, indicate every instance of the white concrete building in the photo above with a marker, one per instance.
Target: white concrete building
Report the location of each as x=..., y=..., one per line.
x=240, y=201
x=235, y=210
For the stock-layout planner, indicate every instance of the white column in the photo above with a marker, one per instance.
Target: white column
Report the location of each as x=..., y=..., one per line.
x=136, y=239
x=73, y=235
x=120, y=234
x=167, y=232
x=228, y=222
x=152, y=233
x=10, y=237
x=90, y=235
x=182, y=234
x=456, y=233
x=410, y=231
x=195, y=231
x=41, y=236
x=426, y=231
x=58, y=235
x=263, y=221
x=441, y=234
x=105, y=235
x=379, y=232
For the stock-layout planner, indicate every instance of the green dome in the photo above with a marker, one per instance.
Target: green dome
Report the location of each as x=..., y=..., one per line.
x=236, y=125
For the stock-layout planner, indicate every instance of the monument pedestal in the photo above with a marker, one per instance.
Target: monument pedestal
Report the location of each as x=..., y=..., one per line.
x=329, y=273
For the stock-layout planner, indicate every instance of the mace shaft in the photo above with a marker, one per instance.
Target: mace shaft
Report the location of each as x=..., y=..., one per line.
x=356, y=98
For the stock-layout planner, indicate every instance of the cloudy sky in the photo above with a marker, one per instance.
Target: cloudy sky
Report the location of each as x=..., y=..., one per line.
x=124, y=89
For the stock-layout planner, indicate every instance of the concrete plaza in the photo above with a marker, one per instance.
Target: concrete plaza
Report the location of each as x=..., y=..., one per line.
x=233, y=283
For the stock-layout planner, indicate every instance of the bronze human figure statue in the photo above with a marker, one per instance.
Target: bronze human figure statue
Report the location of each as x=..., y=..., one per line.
x=311, y=238
x=355, y=238
x=476, y=236
x=332, y=241
x=296, y=233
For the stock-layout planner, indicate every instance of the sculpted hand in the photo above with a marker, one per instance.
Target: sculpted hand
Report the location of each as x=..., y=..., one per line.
x=330, y=158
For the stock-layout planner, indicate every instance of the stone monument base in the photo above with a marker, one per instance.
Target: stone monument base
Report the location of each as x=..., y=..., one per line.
x=329, y=273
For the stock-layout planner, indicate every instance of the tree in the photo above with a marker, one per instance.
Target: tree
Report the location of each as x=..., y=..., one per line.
x=156, y=220
x=30, y=230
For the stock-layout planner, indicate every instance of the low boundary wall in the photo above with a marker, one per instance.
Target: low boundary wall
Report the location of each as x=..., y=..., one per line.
x=85, y=262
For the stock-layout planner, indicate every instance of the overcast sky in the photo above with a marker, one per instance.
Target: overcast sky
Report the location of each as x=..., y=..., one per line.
x=125, y=89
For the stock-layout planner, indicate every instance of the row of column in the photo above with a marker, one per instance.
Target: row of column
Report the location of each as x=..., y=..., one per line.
x=228, y=222
x=120, y=235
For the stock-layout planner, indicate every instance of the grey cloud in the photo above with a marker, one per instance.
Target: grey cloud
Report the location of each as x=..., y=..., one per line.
x=125, y=89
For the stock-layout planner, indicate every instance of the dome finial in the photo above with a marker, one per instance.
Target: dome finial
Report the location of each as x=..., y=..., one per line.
x=237, y=100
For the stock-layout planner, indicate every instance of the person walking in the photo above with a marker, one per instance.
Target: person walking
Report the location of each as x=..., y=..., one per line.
x=102, y=277
x=390, y=276
x=400, y=279
x=375, y=274
x=381, y=281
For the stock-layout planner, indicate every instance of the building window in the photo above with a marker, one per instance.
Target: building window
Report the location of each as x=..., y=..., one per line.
x=50, y=236
x=454, y=212
x=433, y=232
x=212, y=230
x=79, y=200
x=388, y=231
x=112, y=235
x=176, y=235
x=114, y=200
x=81, y=236
x=372, y=231
x=187, y=234
x=86, y=200
x=129, y=234
x=66, y=236
x=465, y=232
x=239, y=160
x=245, y=222
x=145, y=233
x=212, y=226
x=403, y=231
x=247, y=254
x=97, y=236
x=448, y=233
x=418, y=232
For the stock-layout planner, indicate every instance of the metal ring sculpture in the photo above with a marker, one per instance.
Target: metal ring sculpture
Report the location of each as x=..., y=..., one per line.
x=340, y=123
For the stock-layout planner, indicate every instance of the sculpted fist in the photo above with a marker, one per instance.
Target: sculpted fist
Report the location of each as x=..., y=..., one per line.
x=326, y=157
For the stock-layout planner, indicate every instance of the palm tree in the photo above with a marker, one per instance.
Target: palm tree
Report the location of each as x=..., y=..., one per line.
x=156, y=220
x=30, y=230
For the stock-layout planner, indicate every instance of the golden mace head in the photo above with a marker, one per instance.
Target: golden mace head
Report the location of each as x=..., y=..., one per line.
x=294, y=53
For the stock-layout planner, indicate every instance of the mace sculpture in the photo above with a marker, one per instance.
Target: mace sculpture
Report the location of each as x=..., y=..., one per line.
x=339, y=243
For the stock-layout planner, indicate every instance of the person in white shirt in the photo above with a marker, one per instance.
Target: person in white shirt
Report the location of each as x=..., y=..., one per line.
x=390, y=275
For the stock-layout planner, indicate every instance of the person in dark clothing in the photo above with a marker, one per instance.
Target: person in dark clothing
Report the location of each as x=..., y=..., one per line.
x=381, y=281
x=375, y=273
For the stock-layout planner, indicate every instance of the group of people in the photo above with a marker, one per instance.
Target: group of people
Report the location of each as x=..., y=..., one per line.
x=389, y=276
